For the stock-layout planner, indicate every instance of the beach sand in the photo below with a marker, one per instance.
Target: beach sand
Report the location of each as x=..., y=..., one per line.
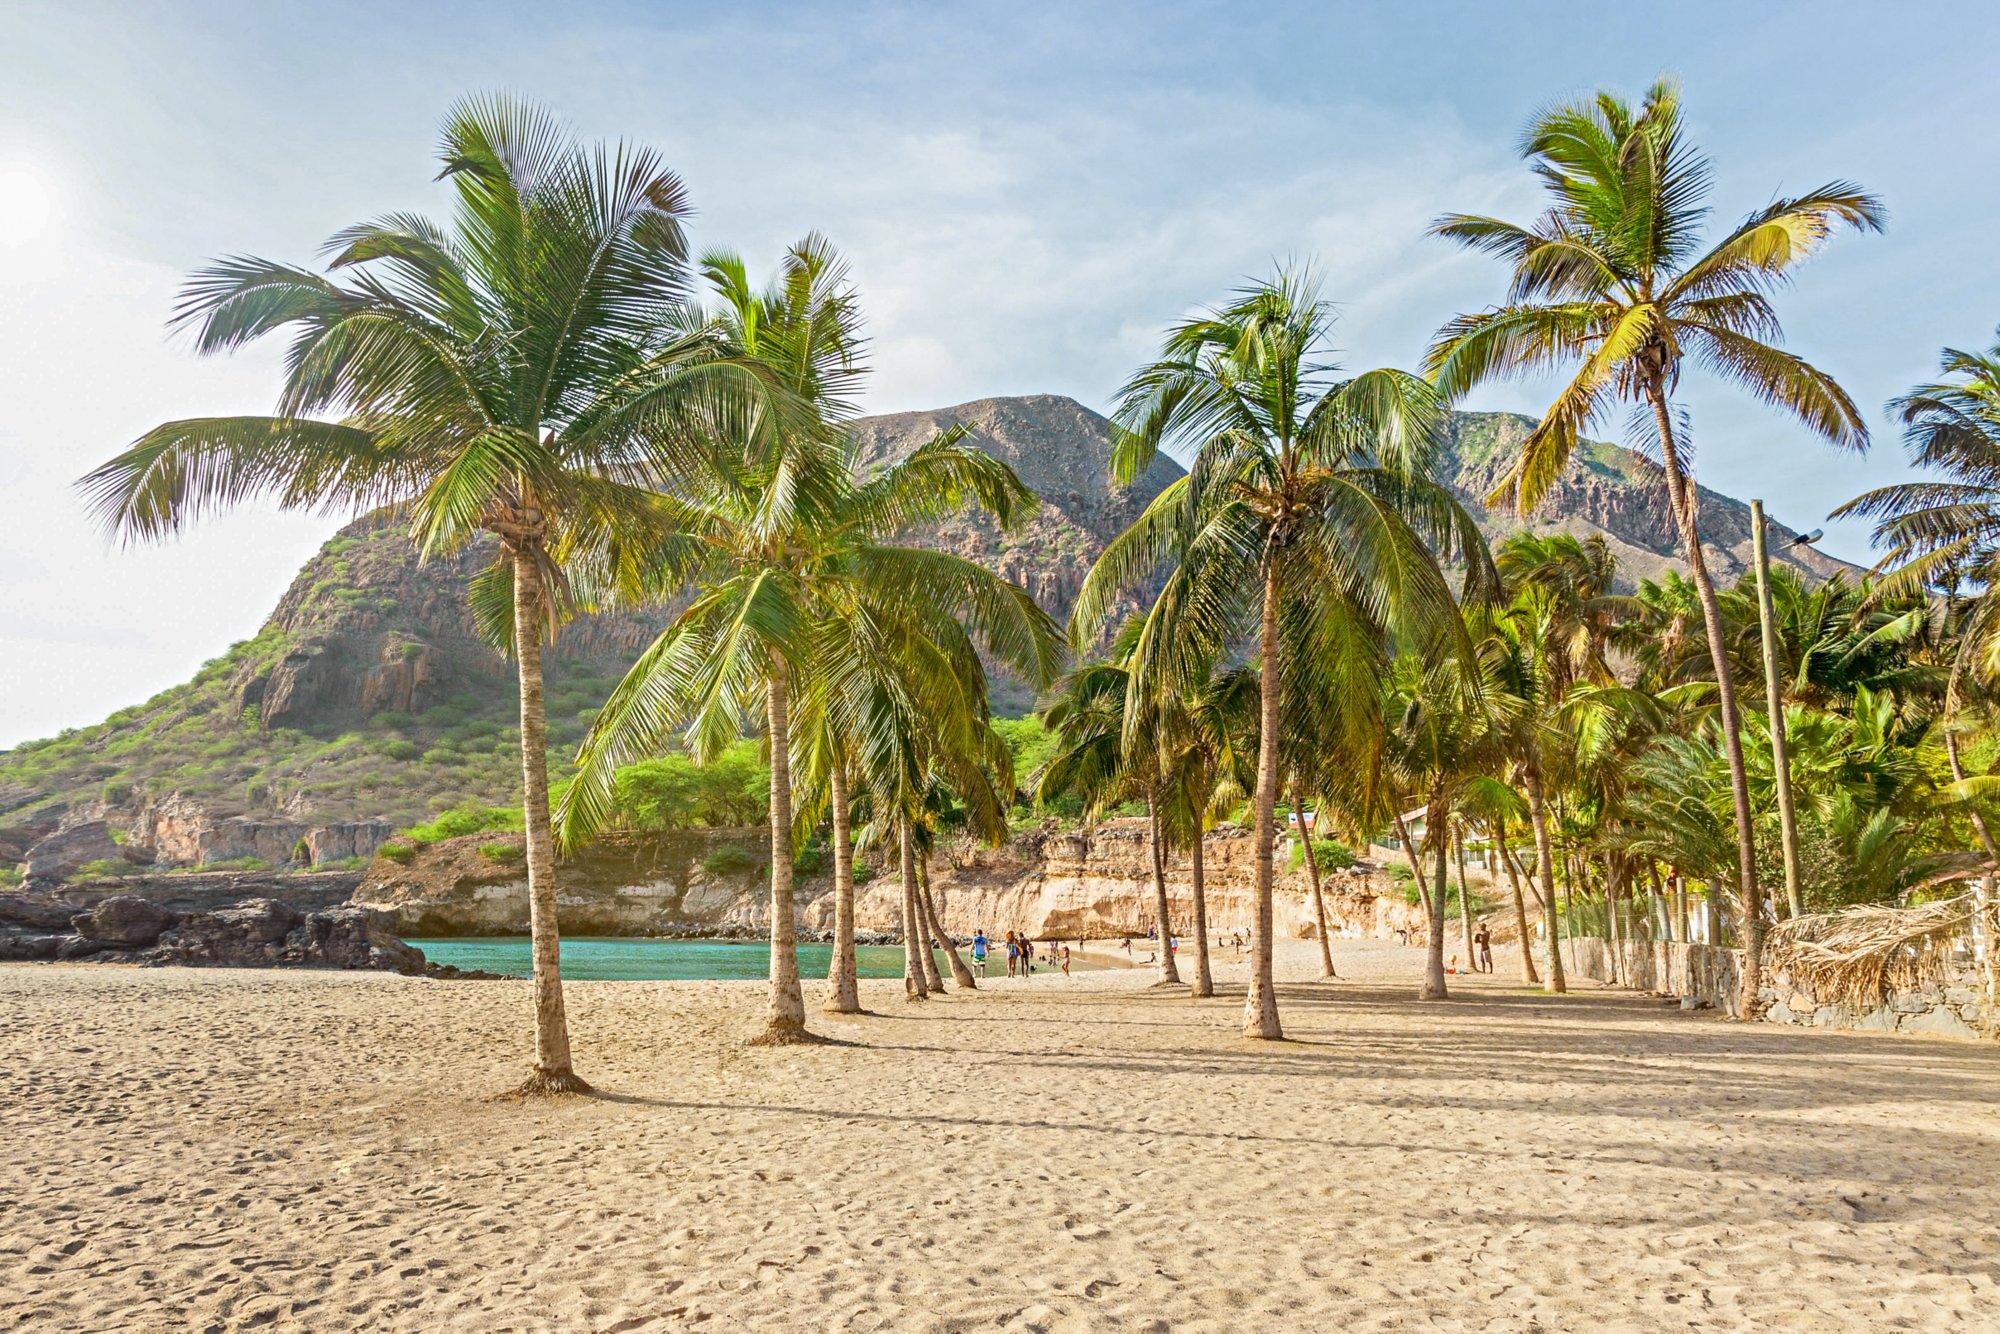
x=236, y=1149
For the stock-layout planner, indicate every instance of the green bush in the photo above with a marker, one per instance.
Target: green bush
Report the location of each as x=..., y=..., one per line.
x=673, y=792
x=400, y=749
x=391, y=720
x=104, y=868
x=811, y=858
x=9, y=877
x=502, y=852
x=728, y=860
x=400, y=853
x=459, y=821
x=116, y=792
x=1330, y=855
x=343, y=864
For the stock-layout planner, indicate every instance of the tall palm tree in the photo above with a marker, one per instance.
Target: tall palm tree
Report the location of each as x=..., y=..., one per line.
x=783, y=546
x=1612, y=280
x=1309, y=512
x=529, y=372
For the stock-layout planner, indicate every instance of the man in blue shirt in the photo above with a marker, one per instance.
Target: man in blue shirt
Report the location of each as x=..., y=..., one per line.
x=979, y=951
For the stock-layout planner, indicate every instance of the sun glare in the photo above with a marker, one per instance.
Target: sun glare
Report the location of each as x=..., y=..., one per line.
x=27, y=205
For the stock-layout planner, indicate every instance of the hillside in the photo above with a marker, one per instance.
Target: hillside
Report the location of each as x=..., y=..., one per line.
x=367, y=702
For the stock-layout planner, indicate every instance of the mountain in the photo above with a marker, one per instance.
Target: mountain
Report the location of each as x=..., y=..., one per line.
x=367, y=701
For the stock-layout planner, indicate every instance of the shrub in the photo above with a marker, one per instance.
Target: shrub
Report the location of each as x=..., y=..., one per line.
x=502, y=852
x=1330, y=855
x=728, y=860
x=119, y=836
x=103, y=869
x=391, y=720
x=9, y=877
x=459, y=821
x=343, y=864
x=810, y=859
x=400, y=853
x=116, y=792
x=400, y=749
x=673, y=792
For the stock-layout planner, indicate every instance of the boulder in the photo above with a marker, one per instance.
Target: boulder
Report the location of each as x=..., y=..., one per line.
x=35, y=912
x=22, y=949
x=124, y=921
x=263, y=932
x=1940, y=1022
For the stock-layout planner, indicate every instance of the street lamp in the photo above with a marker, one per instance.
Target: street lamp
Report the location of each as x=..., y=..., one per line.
x=1788, y=823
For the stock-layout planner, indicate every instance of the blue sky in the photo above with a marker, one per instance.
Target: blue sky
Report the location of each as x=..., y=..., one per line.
x=1028, y=192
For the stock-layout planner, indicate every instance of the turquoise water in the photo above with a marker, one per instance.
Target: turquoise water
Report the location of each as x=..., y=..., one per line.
x=627, y=960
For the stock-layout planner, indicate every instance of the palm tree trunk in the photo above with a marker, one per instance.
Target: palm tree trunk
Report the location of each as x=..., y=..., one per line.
x=927, y=923
x=1319, y=898
x=1464, y=898
x=843, y=989
x=786, y=1023
x=915, y=988
x=959, y=972
x=1682, y=497
x=1204, y=980
x=1984, y=953
x=1528, y=973
x=552, y=1072
x=1545, y=872
x=1260, y=999
x=1434, y=987
x=1169, y=971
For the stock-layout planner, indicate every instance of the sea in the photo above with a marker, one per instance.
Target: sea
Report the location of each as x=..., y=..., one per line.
x=626, y=959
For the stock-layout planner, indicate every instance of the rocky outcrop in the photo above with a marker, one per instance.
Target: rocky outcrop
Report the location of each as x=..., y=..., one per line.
x=253, y=932
x=62, y=853
x=183, y=831
x=1095, y=883
x=693, y=882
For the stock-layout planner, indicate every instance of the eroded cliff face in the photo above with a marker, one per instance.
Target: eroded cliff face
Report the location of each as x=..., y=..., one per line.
x=1082, y=884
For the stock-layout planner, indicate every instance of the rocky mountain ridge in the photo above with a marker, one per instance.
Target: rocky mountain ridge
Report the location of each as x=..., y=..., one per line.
x=368, y=701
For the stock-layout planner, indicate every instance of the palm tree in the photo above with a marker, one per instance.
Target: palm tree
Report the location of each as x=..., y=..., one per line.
x=1305, y=512
x=530, y=372
x=784, y=550
x=1104, y=759
x=1612, y=279
x=1207, y=740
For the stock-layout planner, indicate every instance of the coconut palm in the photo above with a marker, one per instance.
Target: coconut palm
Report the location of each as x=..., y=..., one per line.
x=784, y=547
x=530, y=372
x=1613, y=281
x=1207, y=741
x=1309, y=513
x=1103, y=759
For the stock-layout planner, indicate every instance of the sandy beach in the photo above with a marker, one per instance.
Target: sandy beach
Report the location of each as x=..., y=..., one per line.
x=235, y=1149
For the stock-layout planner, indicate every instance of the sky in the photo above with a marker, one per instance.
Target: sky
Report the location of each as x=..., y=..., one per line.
x=1029, y=194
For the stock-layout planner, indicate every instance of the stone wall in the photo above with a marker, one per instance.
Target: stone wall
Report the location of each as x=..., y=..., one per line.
x=1709, y=976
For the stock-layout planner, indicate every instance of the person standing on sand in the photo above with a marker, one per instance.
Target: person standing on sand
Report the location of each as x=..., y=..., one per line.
x=1065, y=960
x=979, y=950
x=1013, y=953
x=1483, y=940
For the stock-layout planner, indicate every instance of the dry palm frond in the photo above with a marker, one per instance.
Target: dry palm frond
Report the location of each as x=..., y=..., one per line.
x=1863, y=954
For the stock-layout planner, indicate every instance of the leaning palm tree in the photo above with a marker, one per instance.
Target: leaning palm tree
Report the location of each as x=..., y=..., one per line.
x=783, y=544
x=1310, y=512
x=529, y=373
x=1612, y=279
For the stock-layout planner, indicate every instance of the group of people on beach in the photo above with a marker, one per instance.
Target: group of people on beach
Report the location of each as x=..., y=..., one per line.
x=1021, y=954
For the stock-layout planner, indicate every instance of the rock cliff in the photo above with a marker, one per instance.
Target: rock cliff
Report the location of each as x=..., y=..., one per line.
x=1082, y=883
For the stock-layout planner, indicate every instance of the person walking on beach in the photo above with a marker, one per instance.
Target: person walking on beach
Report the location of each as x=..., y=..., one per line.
x=979, y=951
x=1013, y=953
x=1065, y=960
x=1483, y=939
